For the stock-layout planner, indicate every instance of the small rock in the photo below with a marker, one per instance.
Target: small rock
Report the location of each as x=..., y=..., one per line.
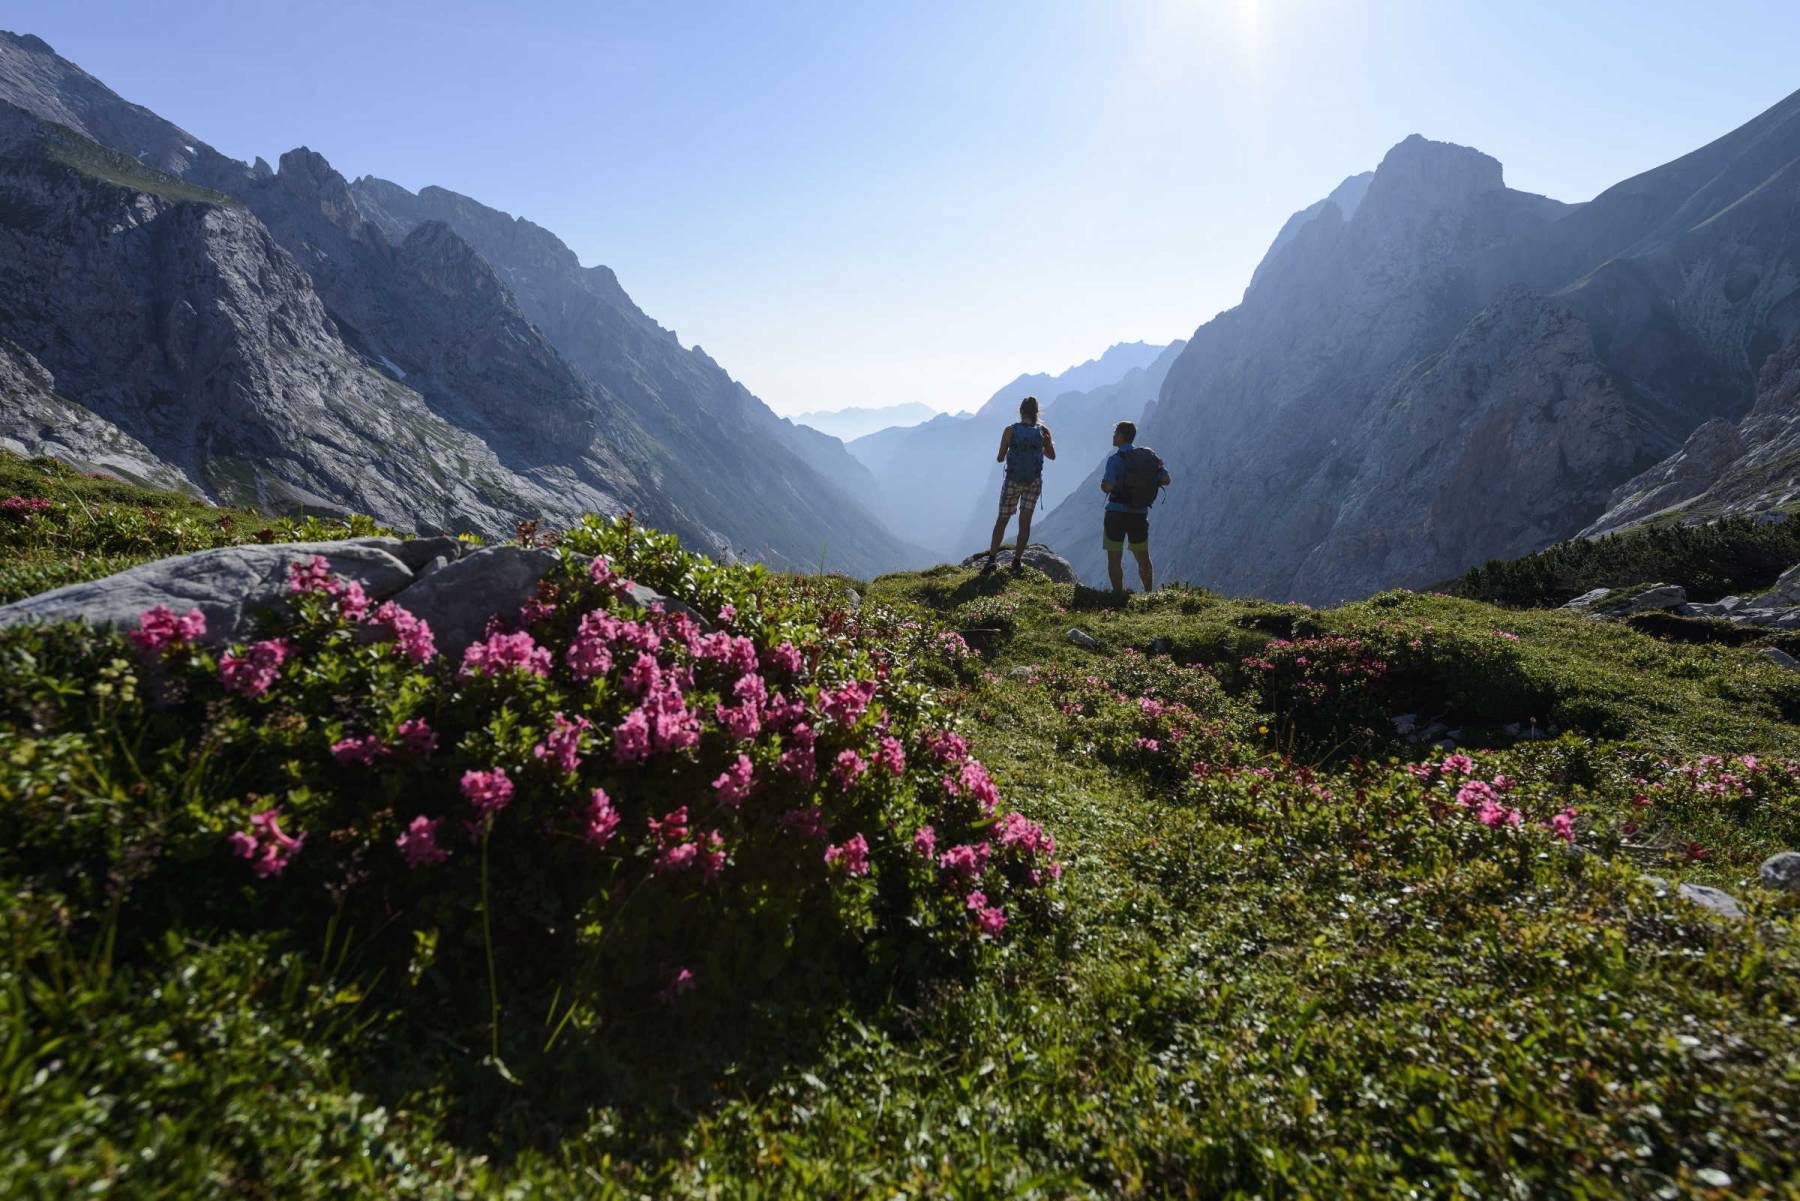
x=1587, y=600
x=1730, y=604
x=643, y=597
x=1786, y=589
x=1780, y=658
x=1707, y=897
x=1659, y=596
x=1513, y=728
x=432, y=566
x=1037, y=555
x=1713, y=1178
x=1082, y=638
x=1405, y=723
x=1021, y=673
x=1782, y=870
x=1436, y=729
x=1161, y=646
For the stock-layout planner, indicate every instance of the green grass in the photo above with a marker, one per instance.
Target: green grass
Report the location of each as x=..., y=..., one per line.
x=1305, y=974
x=83, y=155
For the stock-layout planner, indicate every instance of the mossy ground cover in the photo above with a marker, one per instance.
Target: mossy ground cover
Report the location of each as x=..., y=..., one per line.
x=1291, y=953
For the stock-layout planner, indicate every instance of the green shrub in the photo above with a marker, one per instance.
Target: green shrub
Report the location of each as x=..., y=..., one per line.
x=1731, y=555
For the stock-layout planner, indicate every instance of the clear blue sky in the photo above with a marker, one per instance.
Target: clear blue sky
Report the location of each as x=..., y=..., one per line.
x=850, y=203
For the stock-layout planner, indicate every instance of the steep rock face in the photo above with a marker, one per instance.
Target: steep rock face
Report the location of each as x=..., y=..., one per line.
x=36, y=421
x=1459, y=371
x=181, y=323
x=1722, y=469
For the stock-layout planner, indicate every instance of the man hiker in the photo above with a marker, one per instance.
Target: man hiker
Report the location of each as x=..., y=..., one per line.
x=1023, y=448
x=1133, y=476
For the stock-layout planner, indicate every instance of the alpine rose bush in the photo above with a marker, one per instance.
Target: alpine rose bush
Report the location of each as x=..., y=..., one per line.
x=617, y=806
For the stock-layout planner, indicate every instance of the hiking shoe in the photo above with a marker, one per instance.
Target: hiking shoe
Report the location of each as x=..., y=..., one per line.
x=1017, y=567
x=987, y=568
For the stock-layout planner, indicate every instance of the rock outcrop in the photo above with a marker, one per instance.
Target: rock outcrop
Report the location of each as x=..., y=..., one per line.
x=1036, y=555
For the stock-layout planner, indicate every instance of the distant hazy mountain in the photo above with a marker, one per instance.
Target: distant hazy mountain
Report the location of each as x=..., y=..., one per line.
x=284, y=337
x=851, y=423
x=1458, y=371
x=936, y=479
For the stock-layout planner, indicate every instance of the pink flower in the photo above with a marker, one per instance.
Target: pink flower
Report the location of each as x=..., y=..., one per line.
x=488, y=791
x=1563, y=825
x=1508, y=637
x=534, y=611
x=1016, y=830
x=675, y=859
x=727, y=612
x=850, y=765
x=159, y=629
x=925, y=841
x=418, y=843
x=750, y=689
x=1458, y=765
x=672, y=828
x=851, y=855
x=268, y=849
x=504, y=652
x=681, y=984
x=947, y=747
x=417, y=738
x=972, y=781
x=588, y=655
x=892, y=756
x=992, y=920
x=357, y=752
x=601, y=818
x=631, y=738
x=412, y=636
x=786, y=658
x=644, y=675
x=313, y=577
x=736, y=782
x=965, y=861
x=743, y=722
x=1494, y=815
x=562, y=746
x=976, y=900
x=1149, y=744
x=1475, y=792
x=846, y=704
x=253, y=673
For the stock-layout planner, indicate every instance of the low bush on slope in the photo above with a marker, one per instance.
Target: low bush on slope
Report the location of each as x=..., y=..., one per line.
x=1731, y=555
x=335, y=916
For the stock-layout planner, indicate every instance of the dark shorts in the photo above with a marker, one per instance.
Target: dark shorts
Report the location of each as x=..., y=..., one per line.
x=1121, y=528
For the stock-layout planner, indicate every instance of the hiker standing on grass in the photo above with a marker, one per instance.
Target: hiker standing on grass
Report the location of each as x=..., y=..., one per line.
x=1023, y=448
x=1133, y=476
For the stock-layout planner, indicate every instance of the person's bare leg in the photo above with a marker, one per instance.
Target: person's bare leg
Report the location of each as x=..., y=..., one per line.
x=1024, y=537
x=999, y=536
x=1142, y=551
x=1115, y=568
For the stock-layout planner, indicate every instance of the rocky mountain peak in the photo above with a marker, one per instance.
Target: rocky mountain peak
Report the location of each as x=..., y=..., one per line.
x=308, y=178
x=1422, y=176
x=27, y=41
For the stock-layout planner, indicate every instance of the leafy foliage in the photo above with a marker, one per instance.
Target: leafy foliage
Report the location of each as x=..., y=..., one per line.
x=1731, y=555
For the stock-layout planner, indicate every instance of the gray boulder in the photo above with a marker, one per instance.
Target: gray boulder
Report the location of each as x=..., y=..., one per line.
x=1782, y=870
x=1587, y=600
x=1083, y=639
x=1707, y=897
x=457, y=599
x=1037, y=555
x=231, y=586
x=1780, y=658
x=1658, y=596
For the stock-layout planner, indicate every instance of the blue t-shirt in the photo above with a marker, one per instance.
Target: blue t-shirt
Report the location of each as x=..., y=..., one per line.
x=1115, y=475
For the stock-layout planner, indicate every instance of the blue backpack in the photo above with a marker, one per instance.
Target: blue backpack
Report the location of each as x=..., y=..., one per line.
x=1025, y=453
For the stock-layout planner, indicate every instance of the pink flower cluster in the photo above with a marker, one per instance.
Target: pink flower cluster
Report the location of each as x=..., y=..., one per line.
x=561, y=747
x=25, y=506
x=254, y=672
x=160, y=629
x=419, y=845
x=412, y=635
x=265, y=846
x=314, y=577
x=852, y=856
x=489, y=791
x=502, y=652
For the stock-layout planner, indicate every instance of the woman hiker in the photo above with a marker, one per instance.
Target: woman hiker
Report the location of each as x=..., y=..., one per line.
x=1023, y=448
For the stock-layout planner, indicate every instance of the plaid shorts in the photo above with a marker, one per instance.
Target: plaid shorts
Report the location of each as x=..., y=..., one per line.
x=1015, y=495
